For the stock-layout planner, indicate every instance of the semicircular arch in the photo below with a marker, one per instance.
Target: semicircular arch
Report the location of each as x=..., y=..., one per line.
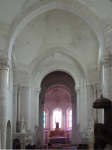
x=64, y=51
x=40, y=7
x=58, y=67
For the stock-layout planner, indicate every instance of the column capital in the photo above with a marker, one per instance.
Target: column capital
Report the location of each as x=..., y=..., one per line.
x=37, y=90
x=106, y=61
x=19, y=89
x=94, y=87
x=77, y=89
x=4, y=64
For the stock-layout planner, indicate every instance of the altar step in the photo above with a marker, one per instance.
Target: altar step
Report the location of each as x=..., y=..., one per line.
x=63, y=146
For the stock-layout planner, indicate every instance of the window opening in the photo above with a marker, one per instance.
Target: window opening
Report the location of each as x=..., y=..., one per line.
x=56, y=118
x=44, y=120
x=70, y=118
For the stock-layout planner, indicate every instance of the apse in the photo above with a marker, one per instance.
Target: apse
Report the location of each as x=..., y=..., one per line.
x=57, y=101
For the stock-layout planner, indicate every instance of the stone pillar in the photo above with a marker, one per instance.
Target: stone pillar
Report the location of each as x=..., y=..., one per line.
x=81, y=102
x=51, y=121
x=64, y=114
x=18, y=107
x=95, y=110
x=3, y=102
x=106, y=62
x=74, y=118
x=37, y=106
x=100, y=111
x=14, y=107
x=78, y=107
x=91, y=139
x=41, y=110
x=0, y=139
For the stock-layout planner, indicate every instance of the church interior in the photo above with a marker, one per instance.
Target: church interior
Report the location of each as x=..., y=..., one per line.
x=56, y=74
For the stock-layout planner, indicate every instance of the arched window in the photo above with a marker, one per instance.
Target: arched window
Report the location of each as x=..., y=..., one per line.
x=70, y=118
x=57, y=117
x=44, y=120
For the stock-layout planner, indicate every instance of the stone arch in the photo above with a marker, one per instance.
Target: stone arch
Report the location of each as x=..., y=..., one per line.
x=8, y=136
x=42, y=6
x=57, y=77
x=58, y=67
x=63, y=51
x=61, y=78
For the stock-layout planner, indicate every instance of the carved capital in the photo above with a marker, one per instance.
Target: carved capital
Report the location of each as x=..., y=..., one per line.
x=107, y=61
x=4, y=64
x=77, y=90
x=37, y=90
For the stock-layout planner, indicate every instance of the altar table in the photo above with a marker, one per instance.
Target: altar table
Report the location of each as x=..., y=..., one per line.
x=57, y=140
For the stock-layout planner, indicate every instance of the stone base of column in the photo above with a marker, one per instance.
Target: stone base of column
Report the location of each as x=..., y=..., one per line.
x=91, y=139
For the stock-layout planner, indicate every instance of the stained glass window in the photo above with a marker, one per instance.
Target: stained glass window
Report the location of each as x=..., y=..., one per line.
x=70, y=118
x=44, y=120
x=56, y=118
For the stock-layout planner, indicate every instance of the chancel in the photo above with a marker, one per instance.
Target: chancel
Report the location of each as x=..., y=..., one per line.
x=56, y=74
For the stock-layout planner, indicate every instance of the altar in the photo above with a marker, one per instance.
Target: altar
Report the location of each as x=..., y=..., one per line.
x=58, y=136
x=58, y=140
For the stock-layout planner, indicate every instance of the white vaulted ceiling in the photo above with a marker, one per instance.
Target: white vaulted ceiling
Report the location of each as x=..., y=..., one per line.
x=9, y=9
x=57, y=28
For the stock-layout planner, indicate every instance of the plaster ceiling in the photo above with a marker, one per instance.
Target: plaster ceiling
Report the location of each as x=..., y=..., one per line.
x=9, y=9
x=57, y=28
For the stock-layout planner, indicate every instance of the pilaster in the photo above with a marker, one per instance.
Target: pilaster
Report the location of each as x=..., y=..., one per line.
x=78, y=106
x=95, y=110
x=37, y=92
x=106, y=62
x=18, y=107
x=4, y=64
x=14, y=107
x=74, y=118
x=51, y=121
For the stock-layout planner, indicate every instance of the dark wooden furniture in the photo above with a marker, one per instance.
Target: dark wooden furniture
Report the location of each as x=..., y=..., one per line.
x=103, y=132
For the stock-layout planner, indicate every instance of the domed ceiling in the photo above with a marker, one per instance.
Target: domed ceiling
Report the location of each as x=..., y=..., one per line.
x=58, y=94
